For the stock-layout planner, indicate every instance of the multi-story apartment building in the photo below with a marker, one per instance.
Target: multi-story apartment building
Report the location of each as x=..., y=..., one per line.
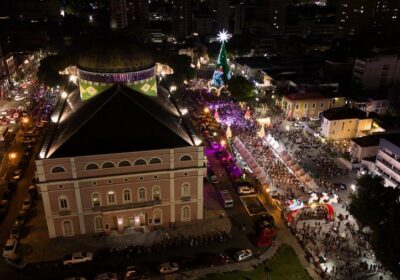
x=377, y=71
x=181, y=17
x=308, y=104
x=361, y=16
x=377, y=105
x=119, y=14
x=387, y=162
x=344, y=123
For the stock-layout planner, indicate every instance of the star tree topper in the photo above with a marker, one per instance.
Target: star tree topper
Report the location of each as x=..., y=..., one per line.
x=223, y=36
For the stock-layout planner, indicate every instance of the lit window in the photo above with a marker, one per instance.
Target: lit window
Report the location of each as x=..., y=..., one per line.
x=96, y=199
x=98, y=224
x=156, y=193
x=111, y=198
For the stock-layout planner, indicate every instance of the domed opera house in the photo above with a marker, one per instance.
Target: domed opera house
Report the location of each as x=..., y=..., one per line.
x=118, y=155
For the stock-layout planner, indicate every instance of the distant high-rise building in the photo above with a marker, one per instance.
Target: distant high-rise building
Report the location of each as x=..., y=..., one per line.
x=362, y=16
x=181, y=17
x=28, y=9
x=119, y=17
x=222, y=12
x=239, y=18
x=277, y=11
x=138, y=12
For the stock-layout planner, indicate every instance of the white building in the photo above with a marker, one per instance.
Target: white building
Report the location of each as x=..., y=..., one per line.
x=344, y=123
x=378, y=71
x=372, y=104
x=387, y=162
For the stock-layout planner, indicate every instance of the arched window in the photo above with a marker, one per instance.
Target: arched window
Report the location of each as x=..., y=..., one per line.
x=98, y=224
x=142, y=194
x=156, y=193
x=157, y=217
x=127, y=196
x=111, y=200
x=96, y=199
x=185, y=190
x=124, y=163
x=67, y=227
x=185, y=158
x=185, y=213
x=63, y=202
x=140, y=162
x=155, y=161
x=92, y=166
x=57, y=169
x=108, y=164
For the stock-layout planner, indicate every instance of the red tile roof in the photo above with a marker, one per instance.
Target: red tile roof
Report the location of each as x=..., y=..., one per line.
x=305, y=95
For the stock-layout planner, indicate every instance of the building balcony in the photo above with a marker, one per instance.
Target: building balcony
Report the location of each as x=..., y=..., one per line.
x=117, y=207
x=389, y=165
x=185, y=198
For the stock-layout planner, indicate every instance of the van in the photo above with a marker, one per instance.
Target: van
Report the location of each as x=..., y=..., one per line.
x=226, y=199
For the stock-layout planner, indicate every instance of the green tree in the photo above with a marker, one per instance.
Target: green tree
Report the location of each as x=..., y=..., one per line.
x=49, y=68
x=378, y=207
x=241, y=88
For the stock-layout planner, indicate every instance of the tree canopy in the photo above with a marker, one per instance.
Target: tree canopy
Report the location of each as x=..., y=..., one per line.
x=378, y=207
x=49, y=70
x=241, y=88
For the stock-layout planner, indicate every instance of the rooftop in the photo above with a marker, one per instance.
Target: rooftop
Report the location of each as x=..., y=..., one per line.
x=115, y=121
x=373, y=139
x=305, y=95
x=114, y=54
x=344, y=113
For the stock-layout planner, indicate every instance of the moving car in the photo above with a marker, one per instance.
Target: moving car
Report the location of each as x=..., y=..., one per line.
x=243, y=255
x=9, y=248
x=3, y=207
x=245, y=190
x=226, y=199
x=15, y=232
x=134, y=273
x=78, y=257
x=16, y=175
x=21, y=217
x=106, y=276
x=32, y=190
x=15, y=262
x=27, y=203
x=340, y=186
x=168, y=267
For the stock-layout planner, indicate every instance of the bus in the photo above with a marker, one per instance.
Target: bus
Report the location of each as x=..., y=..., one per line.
x=226, y=199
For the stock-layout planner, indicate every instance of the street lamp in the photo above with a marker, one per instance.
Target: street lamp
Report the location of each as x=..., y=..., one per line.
x=353, y=187
x=206, y=110
x=73, y=79
x=172, y=88
x=64, y=95
x=12, y=155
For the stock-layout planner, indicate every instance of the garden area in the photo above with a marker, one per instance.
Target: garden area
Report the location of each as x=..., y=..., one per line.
x=284, y=265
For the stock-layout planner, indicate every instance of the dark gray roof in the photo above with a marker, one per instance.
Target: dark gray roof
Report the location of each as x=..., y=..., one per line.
x=373, y=139
x=115, y=121
x=343, y=113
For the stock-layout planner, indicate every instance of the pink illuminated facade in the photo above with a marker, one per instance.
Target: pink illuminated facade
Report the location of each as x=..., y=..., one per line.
x=100, y=193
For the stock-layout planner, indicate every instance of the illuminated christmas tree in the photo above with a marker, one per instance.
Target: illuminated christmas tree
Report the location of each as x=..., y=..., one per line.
x=222, y=72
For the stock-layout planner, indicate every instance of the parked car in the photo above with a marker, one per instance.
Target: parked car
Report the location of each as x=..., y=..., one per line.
x=134, y=273
x=21, y=217
x=9, y=248
x=15, y=262
x=106, y=276
x=168, y=267
x=15, y=232
x=78, y=257
x=242, y=190
x=243, y=255
x=214, y=179
x=26, y=205
x=340, y=186
x=261, y=225
x=3, y=207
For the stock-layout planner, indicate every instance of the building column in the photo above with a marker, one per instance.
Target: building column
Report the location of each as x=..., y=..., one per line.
x=47, y=211
x=171, y=159
x=200, y=201
x=40, y=171
x=73, y=169
x=79, y=208
x=172, y=196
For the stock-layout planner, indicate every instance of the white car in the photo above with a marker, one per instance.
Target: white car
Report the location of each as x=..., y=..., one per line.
x=78, y=257
x=9, y=248
x=246, y=190
x=106, y=276
x=243, y=255
x=168, y=267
